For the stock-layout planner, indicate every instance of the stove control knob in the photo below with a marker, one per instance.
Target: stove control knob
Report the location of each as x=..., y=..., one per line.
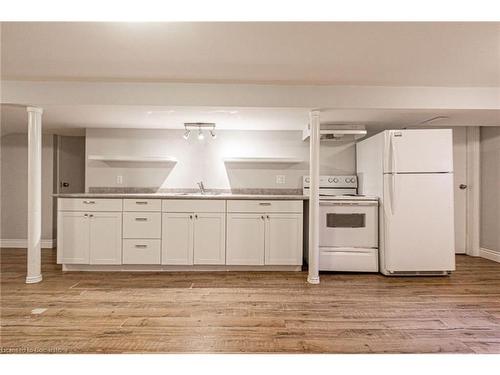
x=330, y=180
x=335, y=180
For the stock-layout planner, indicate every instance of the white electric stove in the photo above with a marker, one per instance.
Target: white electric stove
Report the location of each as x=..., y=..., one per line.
x=348, y=239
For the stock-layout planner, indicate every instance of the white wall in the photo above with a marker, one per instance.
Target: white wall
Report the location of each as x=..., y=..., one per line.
x=203, y=160
x=14, y=186
x=490, y=188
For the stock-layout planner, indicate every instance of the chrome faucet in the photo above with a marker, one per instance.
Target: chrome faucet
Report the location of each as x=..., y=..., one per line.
x=202, y=187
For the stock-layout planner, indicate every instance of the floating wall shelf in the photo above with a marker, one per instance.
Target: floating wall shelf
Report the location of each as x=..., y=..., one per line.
x=137, y=159
x=263, y=160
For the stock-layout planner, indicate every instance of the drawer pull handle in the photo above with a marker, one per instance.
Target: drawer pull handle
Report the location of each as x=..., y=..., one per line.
x=141, y=246
x=264, y=203
x=141, y=202
x=141, y=219
x=89, y=202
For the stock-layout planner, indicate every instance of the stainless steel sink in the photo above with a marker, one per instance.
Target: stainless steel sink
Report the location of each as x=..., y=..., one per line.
x=208, y=193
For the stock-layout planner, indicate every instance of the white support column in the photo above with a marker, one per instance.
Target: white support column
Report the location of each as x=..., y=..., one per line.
x=34, y=272
x=314, y=123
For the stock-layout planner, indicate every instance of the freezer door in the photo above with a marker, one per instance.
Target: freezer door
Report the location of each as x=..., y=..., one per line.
x=418, y=223
x=418, y=151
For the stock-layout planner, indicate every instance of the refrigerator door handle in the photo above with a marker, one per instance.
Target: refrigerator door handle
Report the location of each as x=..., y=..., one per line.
x=394, y=172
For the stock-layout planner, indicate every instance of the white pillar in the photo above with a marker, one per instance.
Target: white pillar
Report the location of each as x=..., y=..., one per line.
x=313, y=258
x=34, y=272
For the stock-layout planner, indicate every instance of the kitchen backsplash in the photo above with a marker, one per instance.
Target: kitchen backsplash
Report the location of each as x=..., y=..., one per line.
x=204, y=160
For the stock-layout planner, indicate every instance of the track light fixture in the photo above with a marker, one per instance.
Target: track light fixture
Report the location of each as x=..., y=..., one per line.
x=210, y=126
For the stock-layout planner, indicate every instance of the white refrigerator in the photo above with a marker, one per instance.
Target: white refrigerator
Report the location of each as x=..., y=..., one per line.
x=412, y=173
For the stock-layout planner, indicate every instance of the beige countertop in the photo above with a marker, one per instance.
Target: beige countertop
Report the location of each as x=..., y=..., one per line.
x=184, y=196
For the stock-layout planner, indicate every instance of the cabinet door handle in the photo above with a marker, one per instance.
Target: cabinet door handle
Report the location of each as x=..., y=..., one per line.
x=262, y=217
x=190, y=216
x=264, y=203
x=85, y=215
x=91, y=215
x=267, y=216
x=139, y=202
x=141, y=219
x=89, y=202
x=196, y=216
x=141, y=246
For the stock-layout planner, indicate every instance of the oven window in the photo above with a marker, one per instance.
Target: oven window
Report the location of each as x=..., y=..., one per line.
x=345, y=220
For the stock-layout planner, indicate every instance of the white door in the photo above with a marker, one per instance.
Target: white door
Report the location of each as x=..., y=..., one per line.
x=460, y=181
x=419, y=150
x=283, y=239
x=209, y=238
x=419, y=222
x=245, y=239
x=177, y=239
x=105, y=237
x=72, y=238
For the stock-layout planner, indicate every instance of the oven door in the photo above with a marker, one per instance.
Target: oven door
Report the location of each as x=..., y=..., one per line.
x=348, y=224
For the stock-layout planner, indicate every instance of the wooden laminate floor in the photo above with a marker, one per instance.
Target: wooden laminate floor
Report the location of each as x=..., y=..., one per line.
x=251, y=312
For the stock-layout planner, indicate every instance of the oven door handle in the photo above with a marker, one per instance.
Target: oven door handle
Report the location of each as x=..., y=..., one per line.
x=339, y=204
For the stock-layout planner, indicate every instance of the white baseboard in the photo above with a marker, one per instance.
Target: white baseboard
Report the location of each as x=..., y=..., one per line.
x=23, y=243
x=489, y=254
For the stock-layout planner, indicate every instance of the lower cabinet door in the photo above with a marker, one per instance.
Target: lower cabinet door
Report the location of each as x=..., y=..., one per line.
x=177, y=238
x=245, y=239
x=72, y=238
x=209, y=238
x=283, y=239
x=105, y=237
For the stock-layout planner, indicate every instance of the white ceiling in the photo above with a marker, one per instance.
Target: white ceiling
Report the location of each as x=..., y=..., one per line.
x=386, y=54
x=73, y=119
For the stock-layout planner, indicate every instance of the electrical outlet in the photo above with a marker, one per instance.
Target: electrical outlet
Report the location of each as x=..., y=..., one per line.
x=119, y=180
x=280, y=179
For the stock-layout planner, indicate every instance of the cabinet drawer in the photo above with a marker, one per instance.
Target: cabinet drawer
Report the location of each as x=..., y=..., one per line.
x=89, y=204
x=141, y=225
x=142, y=205
x=264, y=206
x=193, y=205
x=141, y=252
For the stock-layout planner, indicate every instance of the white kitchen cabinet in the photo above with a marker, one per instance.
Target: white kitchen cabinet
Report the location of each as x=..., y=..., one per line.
x=259, y=237
x=245, y=239
x=177, y=238
x=209, y=238
x=89, y=237
x=73, y=236
x=283, y=239
x=105, y=237
x=193, y=232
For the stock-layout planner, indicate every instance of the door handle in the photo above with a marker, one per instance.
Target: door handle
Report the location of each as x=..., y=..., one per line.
x=139, y=202
x=462, y=186
x=64, y=184
x=141, y=219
